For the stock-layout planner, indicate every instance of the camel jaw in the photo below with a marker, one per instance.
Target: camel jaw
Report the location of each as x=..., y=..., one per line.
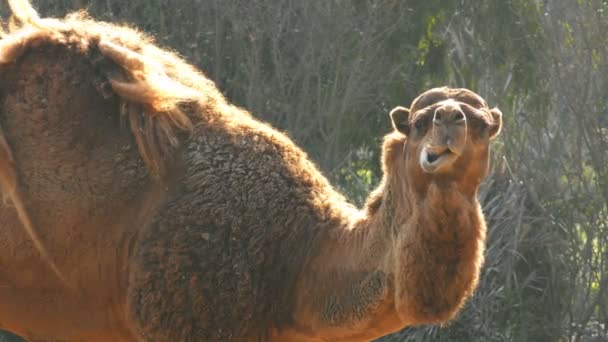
x=435, y=159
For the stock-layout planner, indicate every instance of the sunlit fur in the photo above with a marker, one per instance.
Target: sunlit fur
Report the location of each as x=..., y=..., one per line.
x=143, y=206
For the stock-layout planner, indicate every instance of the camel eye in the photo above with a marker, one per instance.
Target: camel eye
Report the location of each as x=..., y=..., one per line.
x=479, y=123
x=421, y=124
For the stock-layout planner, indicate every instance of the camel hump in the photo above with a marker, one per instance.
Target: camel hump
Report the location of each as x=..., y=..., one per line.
x=157, y=89
x=60, y=80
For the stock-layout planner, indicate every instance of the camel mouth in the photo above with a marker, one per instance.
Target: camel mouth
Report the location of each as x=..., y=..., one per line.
x=433, y=159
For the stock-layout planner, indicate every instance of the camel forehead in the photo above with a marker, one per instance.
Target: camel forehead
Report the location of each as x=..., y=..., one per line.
x=443, y=94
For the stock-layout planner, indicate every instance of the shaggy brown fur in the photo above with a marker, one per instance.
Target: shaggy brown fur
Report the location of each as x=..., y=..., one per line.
x=201, y=223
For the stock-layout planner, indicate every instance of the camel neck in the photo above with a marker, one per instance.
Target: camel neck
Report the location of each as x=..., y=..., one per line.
x=437, y=240
x=359, y=276
x=346, y=282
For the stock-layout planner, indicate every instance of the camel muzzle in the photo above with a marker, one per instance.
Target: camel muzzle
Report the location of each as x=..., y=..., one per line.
x=447, y=140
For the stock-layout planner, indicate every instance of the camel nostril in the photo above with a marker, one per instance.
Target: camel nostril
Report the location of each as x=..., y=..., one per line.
x=459, y=116
x=431, y=158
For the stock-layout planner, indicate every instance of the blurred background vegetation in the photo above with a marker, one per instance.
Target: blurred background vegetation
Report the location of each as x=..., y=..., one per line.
x=328, y=72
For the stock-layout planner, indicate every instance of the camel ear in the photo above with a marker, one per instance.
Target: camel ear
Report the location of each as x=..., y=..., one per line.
x=496, y=127
x=400, y=119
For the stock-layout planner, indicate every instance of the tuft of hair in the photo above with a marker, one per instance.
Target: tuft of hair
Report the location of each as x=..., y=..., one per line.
x=23, y=12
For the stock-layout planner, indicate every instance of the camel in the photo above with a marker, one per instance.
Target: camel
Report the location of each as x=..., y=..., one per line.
x=140, y=205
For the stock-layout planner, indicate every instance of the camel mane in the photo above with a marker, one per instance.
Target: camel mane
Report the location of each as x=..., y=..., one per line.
x=154, y=85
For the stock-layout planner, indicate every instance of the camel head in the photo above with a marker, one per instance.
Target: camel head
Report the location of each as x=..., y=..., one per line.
x=448, y=133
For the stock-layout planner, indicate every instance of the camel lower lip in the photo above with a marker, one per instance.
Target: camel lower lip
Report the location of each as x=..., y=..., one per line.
x=432, y=161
